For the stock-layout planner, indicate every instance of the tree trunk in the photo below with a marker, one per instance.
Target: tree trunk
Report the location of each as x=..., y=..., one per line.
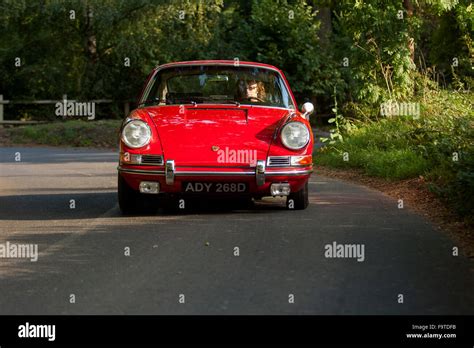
x=408, y=6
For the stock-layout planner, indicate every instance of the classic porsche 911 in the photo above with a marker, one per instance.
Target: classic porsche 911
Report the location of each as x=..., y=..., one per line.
x=215, y=128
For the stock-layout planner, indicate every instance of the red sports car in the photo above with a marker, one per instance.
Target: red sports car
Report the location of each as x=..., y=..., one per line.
x=215, y=128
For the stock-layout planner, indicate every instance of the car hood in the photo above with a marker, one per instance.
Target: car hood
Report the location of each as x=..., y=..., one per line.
x=216, y=135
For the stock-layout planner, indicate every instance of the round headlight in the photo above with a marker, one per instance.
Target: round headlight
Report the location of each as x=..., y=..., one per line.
x=136, y=134
x=295, y=135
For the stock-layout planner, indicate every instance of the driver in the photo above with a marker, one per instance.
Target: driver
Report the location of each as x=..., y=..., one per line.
x=253, y=90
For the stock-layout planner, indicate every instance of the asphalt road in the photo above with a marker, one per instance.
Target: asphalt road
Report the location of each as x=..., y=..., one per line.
x=282, y=253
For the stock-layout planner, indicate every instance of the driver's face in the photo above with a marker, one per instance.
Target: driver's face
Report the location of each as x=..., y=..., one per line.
x=252, y=90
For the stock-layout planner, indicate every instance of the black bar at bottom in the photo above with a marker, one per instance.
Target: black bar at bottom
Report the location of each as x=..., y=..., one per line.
x=133, y=330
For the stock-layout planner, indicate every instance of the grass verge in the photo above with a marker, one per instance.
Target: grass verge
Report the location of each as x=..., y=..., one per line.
x=76, y=133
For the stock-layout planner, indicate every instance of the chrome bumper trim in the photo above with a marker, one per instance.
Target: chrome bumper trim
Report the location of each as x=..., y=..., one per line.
x=140, y=171
x=213, y=173
x=260, y=173
x=290, y=172
x=182, y=173
x=169, y=172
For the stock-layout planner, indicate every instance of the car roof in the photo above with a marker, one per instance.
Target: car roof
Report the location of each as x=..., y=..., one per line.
x=218, y=62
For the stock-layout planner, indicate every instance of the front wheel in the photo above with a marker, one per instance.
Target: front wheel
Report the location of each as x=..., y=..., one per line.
x=298, y=200
x=134, y=202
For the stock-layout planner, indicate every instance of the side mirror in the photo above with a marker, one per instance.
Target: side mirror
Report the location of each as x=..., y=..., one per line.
x=307, y=109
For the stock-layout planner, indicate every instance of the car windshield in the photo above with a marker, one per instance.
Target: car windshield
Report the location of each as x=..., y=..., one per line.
x=219, y=85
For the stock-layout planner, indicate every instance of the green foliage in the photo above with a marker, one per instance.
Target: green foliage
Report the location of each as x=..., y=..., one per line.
x=342, y=125
x=451, y=43
x=84, y=56
x=375, y=41
x=391, y=164
x=88, y=57
x=282, y=33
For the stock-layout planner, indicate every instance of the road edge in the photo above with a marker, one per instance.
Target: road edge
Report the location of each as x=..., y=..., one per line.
x=417, y=198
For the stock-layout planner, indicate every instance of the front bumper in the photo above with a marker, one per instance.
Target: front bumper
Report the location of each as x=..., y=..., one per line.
x=259, y=178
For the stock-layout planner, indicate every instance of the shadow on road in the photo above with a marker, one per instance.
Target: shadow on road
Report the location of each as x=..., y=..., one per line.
x=79, y=205
x=73, y=205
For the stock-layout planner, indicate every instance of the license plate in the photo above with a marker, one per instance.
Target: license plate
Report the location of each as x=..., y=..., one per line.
x=215, y=187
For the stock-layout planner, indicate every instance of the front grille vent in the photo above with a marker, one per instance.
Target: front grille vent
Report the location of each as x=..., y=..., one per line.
x=278, y=161
x=153, y=160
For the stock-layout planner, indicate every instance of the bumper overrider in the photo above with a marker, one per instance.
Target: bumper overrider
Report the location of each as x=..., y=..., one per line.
x=262, y=180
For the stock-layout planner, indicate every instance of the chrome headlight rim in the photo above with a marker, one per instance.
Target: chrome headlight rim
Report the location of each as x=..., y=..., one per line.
x=146, y=140
x=285, y=141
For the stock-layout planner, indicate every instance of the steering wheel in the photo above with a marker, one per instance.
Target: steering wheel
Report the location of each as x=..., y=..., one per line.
x=257, y=98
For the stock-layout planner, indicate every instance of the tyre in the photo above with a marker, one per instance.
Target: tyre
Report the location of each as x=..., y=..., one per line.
x=172, y=204
x=134, y=202
x=298, y=200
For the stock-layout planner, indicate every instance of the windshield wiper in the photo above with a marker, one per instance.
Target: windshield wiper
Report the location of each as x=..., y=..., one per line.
x=235, y=102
